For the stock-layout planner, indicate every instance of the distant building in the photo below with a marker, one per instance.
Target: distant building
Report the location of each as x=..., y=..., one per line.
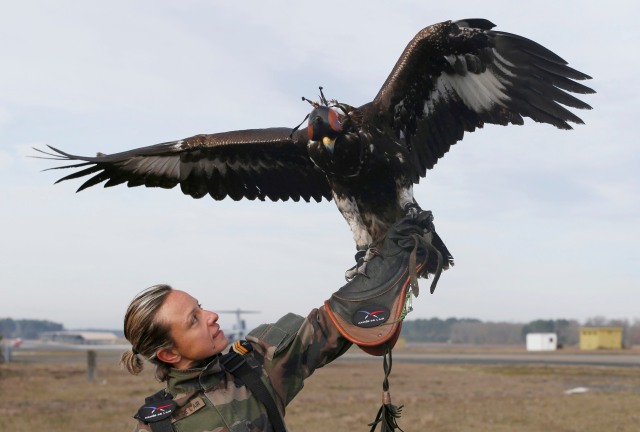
x=542, y=342
x=80, y=337
x=592, y=338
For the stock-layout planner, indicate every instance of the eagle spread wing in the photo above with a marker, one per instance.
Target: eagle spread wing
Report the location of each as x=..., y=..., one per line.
x=455, y=76
x=452, y=78
x=260, y=163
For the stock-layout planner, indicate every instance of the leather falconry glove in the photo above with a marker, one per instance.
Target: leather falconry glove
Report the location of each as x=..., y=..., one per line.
x=369, y=309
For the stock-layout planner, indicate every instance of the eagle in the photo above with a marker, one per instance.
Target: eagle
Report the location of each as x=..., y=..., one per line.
x=452, y=78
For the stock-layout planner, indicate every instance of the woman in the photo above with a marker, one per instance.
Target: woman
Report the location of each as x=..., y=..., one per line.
x=248, y=387
x=170, y=329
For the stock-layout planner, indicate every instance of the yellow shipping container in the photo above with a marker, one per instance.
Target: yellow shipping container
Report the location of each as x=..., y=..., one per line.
x=592, y=338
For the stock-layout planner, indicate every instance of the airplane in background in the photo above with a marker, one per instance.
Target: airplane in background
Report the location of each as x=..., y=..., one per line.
x=239, y=329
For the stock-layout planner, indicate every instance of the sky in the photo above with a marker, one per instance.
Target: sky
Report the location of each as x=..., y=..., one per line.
x=542, y=223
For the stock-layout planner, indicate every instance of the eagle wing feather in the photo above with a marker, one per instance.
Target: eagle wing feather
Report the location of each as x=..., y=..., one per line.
x=249, y=164
x=454, y=77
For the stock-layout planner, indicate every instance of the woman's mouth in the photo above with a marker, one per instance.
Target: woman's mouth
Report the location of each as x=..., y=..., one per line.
x=217, y=333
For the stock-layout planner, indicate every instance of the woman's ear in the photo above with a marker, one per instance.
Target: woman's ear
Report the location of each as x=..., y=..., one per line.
x=168, y=355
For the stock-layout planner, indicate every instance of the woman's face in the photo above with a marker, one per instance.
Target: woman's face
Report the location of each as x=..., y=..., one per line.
x=195, y=331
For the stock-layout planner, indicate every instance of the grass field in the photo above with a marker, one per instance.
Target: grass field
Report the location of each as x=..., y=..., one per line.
x=56, y=395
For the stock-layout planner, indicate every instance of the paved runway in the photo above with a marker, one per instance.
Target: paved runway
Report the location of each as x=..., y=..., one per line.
x=600, y=358
x=551, y=358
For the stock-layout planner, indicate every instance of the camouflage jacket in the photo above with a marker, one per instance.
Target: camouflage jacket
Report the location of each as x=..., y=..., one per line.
x=285, y=354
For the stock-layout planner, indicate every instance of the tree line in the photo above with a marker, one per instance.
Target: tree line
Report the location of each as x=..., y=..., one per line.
x=450, y=330
x=474, y=331
x=26, y=328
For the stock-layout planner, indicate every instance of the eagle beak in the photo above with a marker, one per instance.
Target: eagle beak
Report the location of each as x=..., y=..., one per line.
x=329, y=143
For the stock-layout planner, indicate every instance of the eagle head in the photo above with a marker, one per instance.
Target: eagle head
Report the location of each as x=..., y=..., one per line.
x=324, y=126
x=334, y=144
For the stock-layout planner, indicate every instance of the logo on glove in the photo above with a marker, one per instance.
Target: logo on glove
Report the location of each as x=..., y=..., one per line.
x=370, y=316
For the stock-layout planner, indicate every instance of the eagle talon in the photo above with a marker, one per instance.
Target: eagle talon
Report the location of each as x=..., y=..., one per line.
x=412, y=210
x=362, y=259
x=360, y=269
x=351, y=273
x=354, y=271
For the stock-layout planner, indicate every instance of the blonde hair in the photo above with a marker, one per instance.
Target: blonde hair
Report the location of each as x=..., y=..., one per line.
x=145, y=334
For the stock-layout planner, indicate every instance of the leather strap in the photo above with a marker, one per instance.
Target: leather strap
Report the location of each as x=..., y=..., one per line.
x=235, y=364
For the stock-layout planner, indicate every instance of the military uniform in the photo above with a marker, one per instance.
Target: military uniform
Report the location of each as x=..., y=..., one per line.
x=284, y=354
x=278, y=357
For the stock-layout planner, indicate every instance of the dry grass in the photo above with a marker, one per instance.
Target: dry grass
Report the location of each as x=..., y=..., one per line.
x=57, y=396
x=474, y=398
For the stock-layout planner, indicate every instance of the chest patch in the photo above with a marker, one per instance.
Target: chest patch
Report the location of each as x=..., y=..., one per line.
x=150, y=413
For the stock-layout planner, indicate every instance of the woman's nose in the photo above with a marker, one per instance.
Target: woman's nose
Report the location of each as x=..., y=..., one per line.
x=213, y=317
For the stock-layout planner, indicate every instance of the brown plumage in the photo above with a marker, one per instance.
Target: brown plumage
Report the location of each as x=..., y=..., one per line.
x=452, y=78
